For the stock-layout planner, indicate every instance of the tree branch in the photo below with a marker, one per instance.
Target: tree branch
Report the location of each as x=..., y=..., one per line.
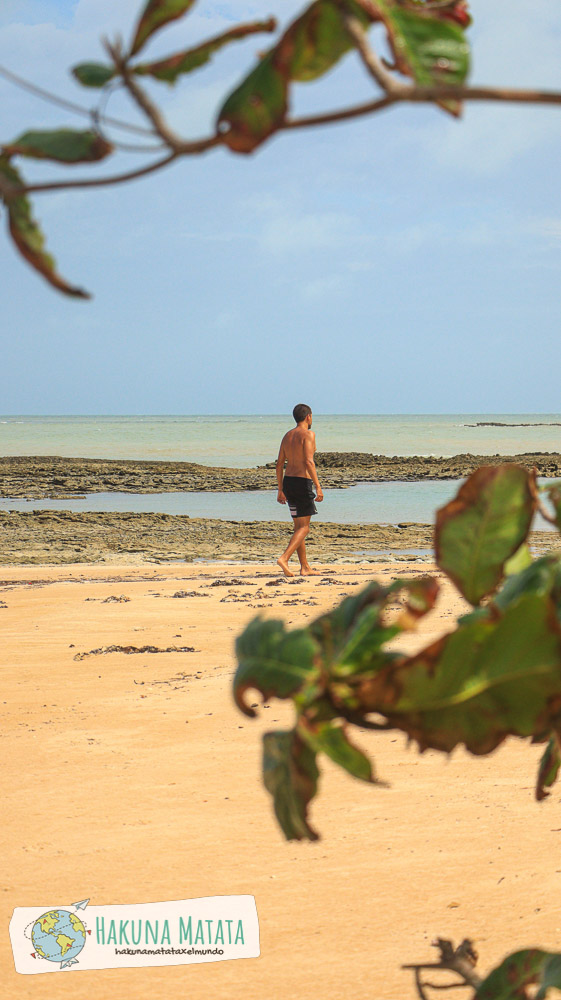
x=427, y=95
x=511, y=95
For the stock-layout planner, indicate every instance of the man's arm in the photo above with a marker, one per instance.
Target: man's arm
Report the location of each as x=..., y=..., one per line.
x=280, y=471
x=309, y=450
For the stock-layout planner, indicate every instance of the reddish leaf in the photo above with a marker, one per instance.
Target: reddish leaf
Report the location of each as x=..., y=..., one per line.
x=478, y=531
x=28, y=237
x=311, y=46
x=169, y=69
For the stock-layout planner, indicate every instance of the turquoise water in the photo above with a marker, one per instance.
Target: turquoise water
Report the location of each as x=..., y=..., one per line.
x=246, y=441
x=377, y=503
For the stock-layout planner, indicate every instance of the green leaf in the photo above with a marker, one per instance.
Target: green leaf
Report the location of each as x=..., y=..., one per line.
x=256, y=108
x=291, y=776
x=155, y=15
x=554, y=493
x=352, y=634
x=478, y=531
x=520, y=970
x=311, y=46
x=427, y=47
x=273, y=661
x=63, y=145
x=477, y=685
x=521, y=559
x=171, y=68
x=541, y=577
x=548, y=769
x=27, y=236
x=91, y=74
x=331, y=738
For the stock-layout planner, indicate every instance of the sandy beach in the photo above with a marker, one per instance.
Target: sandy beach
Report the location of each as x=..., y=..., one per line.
x=130, y=776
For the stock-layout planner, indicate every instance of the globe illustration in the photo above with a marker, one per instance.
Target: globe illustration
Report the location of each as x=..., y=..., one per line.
x=58, y=936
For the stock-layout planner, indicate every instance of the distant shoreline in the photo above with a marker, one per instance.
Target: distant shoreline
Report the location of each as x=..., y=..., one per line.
x=496, y=423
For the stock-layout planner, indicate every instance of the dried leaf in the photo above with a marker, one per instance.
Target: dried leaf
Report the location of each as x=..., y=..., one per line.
x=28, y=237
x=477, y=685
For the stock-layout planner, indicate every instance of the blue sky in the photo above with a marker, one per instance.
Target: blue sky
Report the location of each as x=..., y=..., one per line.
x=402, y=263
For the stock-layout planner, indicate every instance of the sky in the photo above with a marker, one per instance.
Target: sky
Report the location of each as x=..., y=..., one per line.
x=401, y=263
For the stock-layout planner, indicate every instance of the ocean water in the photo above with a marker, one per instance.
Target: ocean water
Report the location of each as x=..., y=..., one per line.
x=248, y=441
x=375, y=503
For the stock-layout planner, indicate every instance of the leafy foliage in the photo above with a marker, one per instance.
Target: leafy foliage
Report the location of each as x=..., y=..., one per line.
x=426, y=37
x=497, y=674
x=483, y=527
x=429, y=46
x=311, y=46
x=519, y=971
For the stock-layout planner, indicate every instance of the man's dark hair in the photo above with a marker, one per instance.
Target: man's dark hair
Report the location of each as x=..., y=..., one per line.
x=300, y=412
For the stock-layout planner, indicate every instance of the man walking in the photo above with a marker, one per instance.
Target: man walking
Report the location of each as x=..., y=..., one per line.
x=297, y=451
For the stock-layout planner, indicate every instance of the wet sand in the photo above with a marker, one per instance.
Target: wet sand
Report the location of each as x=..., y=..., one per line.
x=133, y=778
x=58, y=537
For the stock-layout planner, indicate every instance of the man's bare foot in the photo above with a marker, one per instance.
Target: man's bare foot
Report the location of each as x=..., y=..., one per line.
x=308, y=571
x=284, y=566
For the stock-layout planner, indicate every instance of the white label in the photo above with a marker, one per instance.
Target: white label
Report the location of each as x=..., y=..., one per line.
x=129, y=935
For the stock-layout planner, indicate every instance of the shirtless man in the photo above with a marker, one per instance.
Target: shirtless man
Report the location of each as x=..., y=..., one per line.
x=295, y=487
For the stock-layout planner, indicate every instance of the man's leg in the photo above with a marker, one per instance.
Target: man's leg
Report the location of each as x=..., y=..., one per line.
x=305, y=568
x=301, y=528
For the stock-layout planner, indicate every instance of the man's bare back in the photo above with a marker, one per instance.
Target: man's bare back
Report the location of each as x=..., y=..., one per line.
x=296, y=446
x=296, y=452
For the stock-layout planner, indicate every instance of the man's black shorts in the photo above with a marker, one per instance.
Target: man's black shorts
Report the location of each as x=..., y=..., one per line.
x=300, y=496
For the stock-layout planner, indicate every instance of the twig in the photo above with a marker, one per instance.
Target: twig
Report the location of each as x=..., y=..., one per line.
x=338, y=116
x=370, y=60
x=461, y=960
x=141, y=98
x=97, y=181
x=545, y=513
x=46, y=95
